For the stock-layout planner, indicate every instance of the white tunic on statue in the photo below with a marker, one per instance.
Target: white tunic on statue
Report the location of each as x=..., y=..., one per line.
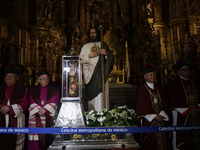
x=88, y=69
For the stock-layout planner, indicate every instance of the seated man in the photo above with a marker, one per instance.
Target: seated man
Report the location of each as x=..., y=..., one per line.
x=184, y=99
x=151, y=109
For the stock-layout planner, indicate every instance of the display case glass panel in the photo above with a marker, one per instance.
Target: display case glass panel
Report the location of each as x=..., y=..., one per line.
x=71, y=78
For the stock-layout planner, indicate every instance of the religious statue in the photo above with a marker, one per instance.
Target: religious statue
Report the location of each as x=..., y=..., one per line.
x=9, y=52
x=150, y=10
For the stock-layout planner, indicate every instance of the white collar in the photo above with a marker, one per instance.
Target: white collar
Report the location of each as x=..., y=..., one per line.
x=184, y=78
x=151, y=85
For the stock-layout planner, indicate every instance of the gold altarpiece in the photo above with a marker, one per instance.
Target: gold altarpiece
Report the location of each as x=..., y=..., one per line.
x=43, y=30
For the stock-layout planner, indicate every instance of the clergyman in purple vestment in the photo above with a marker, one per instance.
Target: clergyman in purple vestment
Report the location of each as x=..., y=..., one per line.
x=44, y=99
x=13, y=104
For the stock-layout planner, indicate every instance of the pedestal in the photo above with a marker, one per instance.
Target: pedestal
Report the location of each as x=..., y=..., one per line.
x=71, y=115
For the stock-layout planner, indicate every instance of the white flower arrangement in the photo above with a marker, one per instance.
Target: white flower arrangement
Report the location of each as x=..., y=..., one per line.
x=118, y=116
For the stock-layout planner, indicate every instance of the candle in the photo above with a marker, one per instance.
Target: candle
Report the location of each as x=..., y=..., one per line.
x=21, y=56
x=174, y=56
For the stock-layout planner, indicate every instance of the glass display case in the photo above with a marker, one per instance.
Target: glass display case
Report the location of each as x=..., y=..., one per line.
x=71, y=111
x=71, y=78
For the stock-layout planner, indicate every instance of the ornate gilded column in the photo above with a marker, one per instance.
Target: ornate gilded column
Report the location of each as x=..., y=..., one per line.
x=110, y=13
x=123, y=5
x=24, y=16
x=158, y=11
x=3, y=30
x=3, y=36
x=166, y=53
x=162, y=34
x=115, y=14
x=74, y=9
x=172, y=14
x=87, y=20
x=173, y=29
x=158, y=26
x=175, y=39
x=18, y=17
x=182, y=23
x=13, y=19
x=62, y=11
x=179, y=25
x=14, y=7
x=134, y=9
x=33, y=38
x=39, y=12
x=82, y=21
x=27, y=48
x=115, y=28
x=38, y=27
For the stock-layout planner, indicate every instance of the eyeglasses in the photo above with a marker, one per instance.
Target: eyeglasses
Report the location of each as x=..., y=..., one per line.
x=43, y=79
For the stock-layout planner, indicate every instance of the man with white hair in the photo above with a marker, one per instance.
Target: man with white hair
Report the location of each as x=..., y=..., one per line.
x=44, y=99
x=151, y=109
